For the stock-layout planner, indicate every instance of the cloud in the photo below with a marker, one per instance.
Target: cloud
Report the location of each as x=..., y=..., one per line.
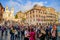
x=23, y=7
x=29, y=5
x=55, y=4
x=39, y=3
x=14, y=4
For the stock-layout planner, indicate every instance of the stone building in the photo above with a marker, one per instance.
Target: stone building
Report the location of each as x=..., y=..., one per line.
x=8, y=14
x=1, y=12
x=41, y=15
x=20, y=16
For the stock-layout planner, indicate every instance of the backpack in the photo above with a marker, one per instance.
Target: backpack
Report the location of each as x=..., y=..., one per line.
x=43, y=31
x=13, y=31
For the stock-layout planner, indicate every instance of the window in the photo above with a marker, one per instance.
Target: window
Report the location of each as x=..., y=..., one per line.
x=30, y=20
x=33, y=16
x=45, y=13
x=30, y=16
x=36, y=11
x=36, y=15
x=0, y=19
x=39, y=11
x=33, y=11
x=30, y=12
x=34, y=19
x=0, y=14
x=39, y=15
x=39, y=23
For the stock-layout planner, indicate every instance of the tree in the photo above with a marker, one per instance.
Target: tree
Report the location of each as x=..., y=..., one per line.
x=16, y=16
x=23, y=19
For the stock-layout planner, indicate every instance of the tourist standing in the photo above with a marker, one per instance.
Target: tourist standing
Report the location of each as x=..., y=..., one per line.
x=16, y=33
x=47, y=33
x=54, y=32
x=42, y=34
x=6, y=31
x=32, y=34
x=26, y=34
x=12, y=31
x=2, y=30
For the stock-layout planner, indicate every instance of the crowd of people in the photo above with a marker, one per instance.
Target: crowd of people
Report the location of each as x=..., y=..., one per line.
x=32, y=32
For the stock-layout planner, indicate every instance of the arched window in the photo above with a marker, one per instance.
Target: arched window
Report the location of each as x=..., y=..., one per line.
x=33, y=11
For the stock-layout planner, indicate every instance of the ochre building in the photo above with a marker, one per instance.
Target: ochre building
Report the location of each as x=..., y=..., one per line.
x=41, y=15
x=20, y=17
x=1, y=12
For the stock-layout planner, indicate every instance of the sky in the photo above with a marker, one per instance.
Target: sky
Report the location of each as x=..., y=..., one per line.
x=24, y=5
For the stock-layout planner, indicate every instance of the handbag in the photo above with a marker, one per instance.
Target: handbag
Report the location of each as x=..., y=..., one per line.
x=42, y=31
x=40, y=34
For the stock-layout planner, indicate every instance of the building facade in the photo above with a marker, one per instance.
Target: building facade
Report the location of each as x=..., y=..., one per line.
x=8, y=14
x=40, y=15
x=20, y=16
x=1, y=12
x=59, y=17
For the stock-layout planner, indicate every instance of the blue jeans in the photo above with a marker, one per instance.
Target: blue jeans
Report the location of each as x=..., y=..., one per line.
x=12, y=37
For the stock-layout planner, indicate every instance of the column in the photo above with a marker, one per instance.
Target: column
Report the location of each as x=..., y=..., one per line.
x=35, y=16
